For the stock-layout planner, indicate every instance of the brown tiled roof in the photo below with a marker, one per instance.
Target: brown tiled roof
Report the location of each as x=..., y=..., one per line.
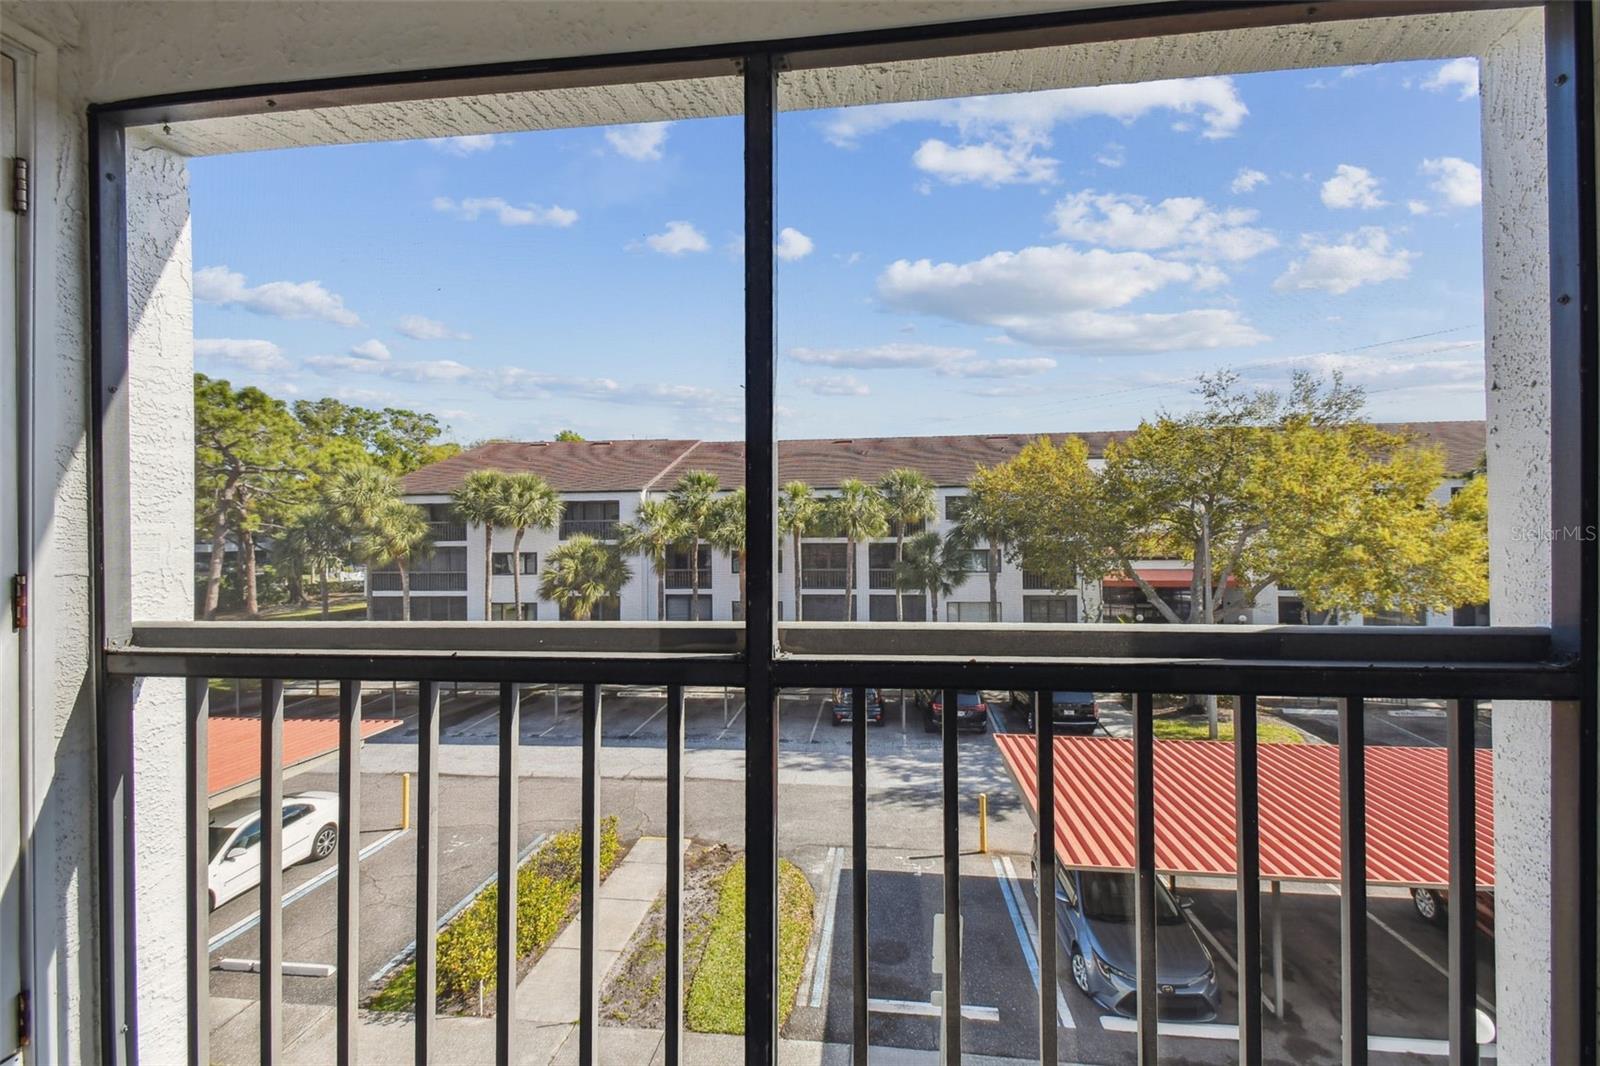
x=630, y=465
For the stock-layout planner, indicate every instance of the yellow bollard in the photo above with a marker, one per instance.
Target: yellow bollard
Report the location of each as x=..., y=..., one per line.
x=405, y=801
x=983, y=823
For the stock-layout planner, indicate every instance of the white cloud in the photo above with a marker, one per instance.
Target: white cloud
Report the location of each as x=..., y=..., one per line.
x=1458, y=182
x=835, y=385
x=420, y=328
x=1418, y=207
x=1186, y=225
x=987, y=163
x=280, y=299
x=1364, y=257
x=881, y=356
x=470, y=144
x=1112, y=156
x=1458, y=74
x=643, y=141
x=1352, y=186
x=998, y=368
x=1097, y=331
x=506, y=214
x=1247, y=179
x=371, y=349
x=792, y=244
x=679, y=237
x=258, y=355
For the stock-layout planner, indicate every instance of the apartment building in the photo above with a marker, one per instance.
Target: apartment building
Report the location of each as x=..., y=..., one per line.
x=603, y=483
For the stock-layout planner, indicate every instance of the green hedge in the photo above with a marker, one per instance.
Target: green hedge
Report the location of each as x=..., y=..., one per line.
x=715, y=1002
x=547, y=895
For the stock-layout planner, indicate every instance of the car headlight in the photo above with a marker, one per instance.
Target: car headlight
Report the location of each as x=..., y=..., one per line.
x=1110, y=970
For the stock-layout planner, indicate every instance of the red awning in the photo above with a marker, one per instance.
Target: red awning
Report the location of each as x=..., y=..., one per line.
x=233, y=745
x=1161, y=577
x=1407, y=825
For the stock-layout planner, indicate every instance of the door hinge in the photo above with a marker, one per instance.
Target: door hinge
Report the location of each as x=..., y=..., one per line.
x=19, y=185
x=24, y=1019
x=19, y=602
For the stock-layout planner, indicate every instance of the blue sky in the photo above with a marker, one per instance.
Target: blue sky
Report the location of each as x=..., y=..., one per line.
x=1046, y=261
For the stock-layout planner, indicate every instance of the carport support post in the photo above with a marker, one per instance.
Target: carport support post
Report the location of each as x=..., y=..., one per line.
x=1277, y=948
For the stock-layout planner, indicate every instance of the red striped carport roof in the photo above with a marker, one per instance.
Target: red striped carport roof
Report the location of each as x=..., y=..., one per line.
x=233, y=745
x=1407, y=824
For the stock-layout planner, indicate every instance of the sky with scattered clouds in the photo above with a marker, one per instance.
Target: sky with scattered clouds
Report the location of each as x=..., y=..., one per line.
x=1058, y=260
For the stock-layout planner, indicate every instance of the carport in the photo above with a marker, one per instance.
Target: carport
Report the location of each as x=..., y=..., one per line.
x=1407, y=820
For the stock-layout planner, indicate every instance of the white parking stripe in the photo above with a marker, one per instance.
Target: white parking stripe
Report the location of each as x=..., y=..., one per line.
x=1424, y=956
x=731, y=721
x=818, y=967
x=816, y=723
x=1115, y=1023
x=1027, y=933
x=929, y=1010
x=646, y=722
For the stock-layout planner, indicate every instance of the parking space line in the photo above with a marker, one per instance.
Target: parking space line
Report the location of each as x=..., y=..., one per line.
x=644, y=723
x=732, y=720
x=244, y=925
x=1407, y=1045
x=1022, y=922
x=1115, y=1023
x=930, y=1010
x=817, y=723
x=817, y=965
x=1424, y=956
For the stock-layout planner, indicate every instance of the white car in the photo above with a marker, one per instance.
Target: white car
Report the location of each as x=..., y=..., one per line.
x=310, y=832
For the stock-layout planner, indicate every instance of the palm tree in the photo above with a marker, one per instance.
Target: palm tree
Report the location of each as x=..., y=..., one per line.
x=727, y=536
x=856, y=514
x=527, y=502
x=315, y=540
x=932, y=565
x=654, y=531
x=908, y=498
x=478, y=501
x=366, y=499
x=694, y=498
x=582, y=574
x=982, y=523
x=798, y=512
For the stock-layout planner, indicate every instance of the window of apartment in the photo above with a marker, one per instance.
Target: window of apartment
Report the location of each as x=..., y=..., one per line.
x=607, y=610
x=501, y=563
x=1476, y=614
x=503, y=612
x=680, y=608
x=976, y=560
x=1131, y=604
x=825, y=609
x=1049, y=608
x=880, y=608
x=1394, y=618
x=423, y=608
x=974, y=611
x=954, y=508
x=594, y=518
x=736, y=610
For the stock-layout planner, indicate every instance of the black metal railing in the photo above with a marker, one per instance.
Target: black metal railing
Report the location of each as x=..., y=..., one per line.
x=447, y=530
x=427, y=581
x=879, y=578
x=685, y=579
x=818, y=578
x=598, y=528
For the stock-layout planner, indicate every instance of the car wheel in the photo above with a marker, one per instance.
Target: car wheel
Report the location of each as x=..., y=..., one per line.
x=323, y=843
x=1080, y=971
x=929, y=725
x=1429, y=906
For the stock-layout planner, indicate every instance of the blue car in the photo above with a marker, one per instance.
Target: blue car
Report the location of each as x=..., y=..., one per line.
x=1094, y=916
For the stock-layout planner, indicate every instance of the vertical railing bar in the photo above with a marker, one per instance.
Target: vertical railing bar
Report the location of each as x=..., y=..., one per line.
x=199, y=877
x=589, y=874
x=1144, y=898
x=349, y=863
x=505, y=977
x=1247, y=832
x=1045, y=763
x=1463, y=784
x=672, y=1046
x=1353, y=878
x=951, y=1006
x=427, y=868
x=859, y=971
x=271, y=926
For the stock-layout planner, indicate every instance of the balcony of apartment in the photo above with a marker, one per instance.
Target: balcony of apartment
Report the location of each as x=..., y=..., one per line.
x=441, y=581
x=447, y=531
x=598, y=528
x=687, y=578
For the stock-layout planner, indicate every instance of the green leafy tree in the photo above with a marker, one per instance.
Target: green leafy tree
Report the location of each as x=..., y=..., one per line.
x=799, y=513
x=569, y=435
x=856, y=514
x=1047, y=500
x=931, y=564
x=394, y=438
x=246, y=462
x=984, y=521
x=479, y=501
x=583, y=573
x=908, y=498
x=526, y=502
x=367, y=500
x=315, y=540
x=696, y=500
x=654, y=531
x=728, y=535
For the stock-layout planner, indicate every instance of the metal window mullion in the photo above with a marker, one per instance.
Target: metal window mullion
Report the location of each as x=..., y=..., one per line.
x=1144, y=898
x=951, y=1006
x=1462, y=910
x=427, y=920
x=1045, y=888
x=1353, y=878
x=505, y=976
x=672, y=1046
x=271, y=852
x=197, y=815
x=349, y=864
x=859, y=966
x=1247, y=833
x=589, y=877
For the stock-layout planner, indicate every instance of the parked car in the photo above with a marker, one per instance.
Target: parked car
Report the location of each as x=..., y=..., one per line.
x=842, y=706
x=972, y=710
x=1070, y=712
x=310, y=832
x=1433, y=906
x=1094, y=919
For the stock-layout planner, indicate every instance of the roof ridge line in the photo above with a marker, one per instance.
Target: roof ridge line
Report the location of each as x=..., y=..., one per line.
x=648, y=485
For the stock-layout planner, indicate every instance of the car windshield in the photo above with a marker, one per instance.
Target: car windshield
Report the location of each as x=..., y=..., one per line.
x=1109, y=898
x=968, y=699
x=220, y=835
x=1073, y=697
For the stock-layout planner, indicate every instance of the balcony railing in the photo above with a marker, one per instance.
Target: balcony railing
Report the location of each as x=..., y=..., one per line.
x=685, y=579
x=427, y=581
x=880, y=578
x=822, y=579
x=598, y=528
x=447, y=531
